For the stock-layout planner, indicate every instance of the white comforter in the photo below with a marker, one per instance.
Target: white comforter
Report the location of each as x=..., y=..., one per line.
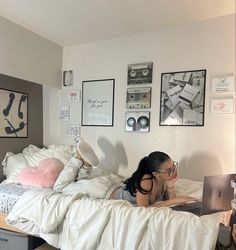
x=70, y=222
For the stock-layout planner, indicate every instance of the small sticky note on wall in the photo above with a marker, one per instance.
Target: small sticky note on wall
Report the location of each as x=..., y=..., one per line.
x=223, y=84
x=222, y=106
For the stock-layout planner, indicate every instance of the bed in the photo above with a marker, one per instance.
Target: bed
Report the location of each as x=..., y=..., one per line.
x=78, y=215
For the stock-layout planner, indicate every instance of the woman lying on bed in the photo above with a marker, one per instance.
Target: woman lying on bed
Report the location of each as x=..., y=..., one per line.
x=152, y=184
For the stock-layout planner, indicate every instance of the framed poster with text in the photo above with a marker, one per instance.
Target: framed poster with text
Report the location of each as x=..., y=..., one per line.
x=98, y=102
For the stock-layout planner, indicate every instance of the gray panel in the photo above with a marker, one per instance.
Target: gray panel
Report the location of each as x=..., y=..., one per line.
x=35, y=115
x=12, y=240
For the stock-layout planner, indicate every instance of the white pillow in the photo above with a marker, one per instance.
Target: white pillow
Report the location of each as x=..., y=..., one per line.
x=31, y=149
x=31, y=156
x=4, y=162
x=12, y=165
x=68, y=174
x=62, y=153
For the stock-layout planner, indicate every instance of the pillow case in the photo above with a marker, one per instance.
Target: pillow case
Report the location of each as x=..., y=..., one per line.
x=43, y=175
x=31, y=149
x=12, y=165
x=61, y=152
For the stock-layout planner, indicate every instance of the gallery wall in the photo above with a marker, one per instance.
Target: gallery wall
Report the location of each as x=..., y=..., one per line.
x=209, y=149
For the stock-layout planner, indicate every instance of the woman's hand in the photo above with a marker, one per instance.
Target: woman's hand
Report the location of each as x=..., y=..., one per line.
x=183, y=199
x=175, y=201
x=171, y=183
x=170, y=191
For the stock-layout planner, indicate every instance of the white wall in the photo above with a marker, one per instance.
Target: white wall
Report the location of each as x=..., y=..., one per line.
x=28, y=56
x=206, y=45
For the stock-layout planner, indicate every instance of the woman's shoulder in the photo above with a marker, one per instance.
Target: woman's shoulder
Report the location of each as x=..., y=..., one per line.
x=147, y=177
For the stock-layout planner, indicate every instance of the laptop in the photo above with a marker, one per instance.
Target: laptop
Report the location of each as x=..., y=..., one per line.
x=216, y=196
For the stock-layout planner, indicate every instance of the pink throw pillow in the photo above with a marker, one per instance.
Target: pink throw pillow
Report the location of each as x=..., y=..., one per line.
x=44, y=175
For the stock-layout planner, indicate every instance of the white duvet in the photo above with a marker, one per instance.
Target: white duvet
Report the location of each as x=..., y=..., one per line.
x=74, y=222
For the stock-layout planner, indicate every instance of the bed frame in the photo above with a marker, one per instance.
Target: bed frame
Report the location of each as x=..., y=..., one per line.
x=8, y=233
x=5, y=226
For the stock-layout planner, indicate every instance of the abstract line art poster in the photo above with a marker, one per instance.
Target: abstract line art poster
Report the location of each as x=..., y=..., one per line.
x=13, y=114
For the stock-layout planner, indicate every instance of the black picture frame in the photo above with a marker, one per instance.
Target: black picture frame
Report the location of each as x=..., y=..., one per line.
x=98, y=102
x=182, y=100
x=13, y=114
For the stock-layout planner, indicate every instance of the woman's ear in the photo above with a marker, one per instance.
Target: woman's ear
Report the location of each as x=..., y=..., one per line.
x=156, y=175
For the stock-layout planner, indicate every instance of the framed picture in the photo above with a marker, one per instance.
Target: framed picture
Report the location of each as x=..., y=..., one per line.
x=182, y=98
x=137, y=121
x=14, y=114
x=140, y=73
x=98, y=102
x=67, y=78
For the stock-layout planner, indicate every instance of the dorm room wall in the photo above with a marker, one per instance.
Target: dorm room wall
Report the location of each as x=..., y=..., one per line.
x=27, y=61
x=208, y=44
x=35, y=115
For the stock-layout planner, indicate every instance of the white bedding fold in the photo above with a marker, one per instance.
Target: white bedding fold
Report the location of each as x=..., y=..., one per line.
x=101, y=224
x=40, y=210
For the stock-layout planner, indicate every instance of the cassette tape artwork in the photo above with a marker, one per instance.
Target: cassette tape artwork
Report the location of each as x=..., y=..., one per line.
x=140, y=73
x=138, y=98
x=137, y=121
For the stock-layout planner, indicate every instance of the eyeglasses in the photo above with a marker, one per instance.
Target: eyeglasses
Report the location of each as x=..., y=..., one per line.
x=172, y=170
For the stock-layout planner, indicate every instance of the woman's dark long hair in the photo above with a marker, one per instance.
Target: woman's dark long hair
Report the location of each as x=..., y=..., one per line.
x=147, y=165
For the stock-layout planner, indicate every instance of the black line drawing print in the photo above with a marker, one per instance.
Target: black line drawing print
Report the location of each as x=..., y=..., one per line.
x=22, y=99
x=14, y=115
x=7, y=109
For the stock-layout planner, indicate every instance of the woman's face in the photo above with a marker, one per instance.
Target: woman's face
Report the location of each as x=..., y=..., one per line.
x=168, y=170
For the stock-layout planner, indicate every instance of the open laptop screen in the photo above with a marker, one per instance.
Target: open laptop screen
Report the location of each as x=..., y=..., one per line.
x=216, y=196
x=217, y=193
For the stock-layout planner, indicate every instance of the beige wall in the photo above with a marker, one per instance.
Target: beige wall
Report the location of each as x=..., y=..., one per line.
x=29, y=56
x=204, y=150
x=33, y=60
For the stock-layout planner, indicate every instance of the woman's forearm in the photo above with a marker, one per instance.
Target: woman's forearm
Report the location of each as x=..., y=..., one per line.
x=171, y=202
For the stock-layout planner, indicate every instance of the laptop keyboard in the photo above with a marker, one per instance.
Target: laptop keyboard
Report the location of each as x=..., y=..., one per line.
x=193, y=207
